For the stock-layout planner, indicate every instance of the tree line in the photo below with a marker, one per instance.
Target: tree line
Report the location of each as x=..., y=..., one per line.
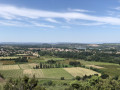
x=88, y=56
x=54, y=64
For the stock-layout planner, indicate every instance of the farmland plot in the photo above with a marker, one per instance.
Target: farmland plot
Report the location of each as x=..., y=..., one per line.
x=56, y=73
x=12, y=73
x=80, y=71
x=9, y=67
x=24, y=66
x=94, y=66
x=27, y=66
x=8, y=57
x=31, y=65
x=37, y=72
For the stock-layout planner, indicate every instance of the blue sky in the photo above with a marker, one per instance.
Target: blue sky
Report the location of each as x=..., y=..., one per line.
x=81, y=21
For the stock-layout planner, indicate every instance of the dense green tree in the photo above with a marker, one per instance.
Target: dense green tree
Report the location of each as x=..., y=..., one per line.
x=78, y=78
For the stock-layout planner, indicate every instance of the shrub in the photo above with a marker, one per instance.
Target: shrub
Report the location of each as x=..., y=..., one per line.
x=1, y=76
x=62, y=78
x=104, y=76
x=50, y=83
x=78, y=78
x=76, y=86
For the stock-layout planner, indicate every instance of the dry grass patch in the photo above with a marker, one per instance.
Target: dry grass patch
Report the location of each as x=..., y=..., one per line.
x=31, y=65
x=37, y=72
x=94, y=66
x=24, y=66
x=7, y=62
x=27, y=66
x=8, y=57
x=78, y=71
x=9, y=67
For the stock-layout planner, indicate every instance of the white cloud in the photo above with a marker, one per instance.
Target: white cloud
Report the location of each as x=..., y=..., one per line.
x=12, y=12
x=86, y=23
x=23, y=24
x=117, y=8
x=42, y=25
x=13, y=23
x=51, y=20
x=91, y=24
x=78, y=10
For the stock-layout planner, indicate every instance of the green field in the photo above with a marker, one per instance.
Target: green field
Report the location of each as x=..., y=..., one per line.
x=44, y=59
x=95, y=63
x=56, y=73
x=111, y=70
x=2, y=85
x=12, y=73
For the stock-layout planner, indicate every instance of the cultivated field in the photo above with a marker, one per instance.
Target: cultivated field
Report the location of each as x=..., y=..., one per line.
x=24, y=66
x=112, y=70
x=78, y=71
x=27, y=66
x=96, y=63
x=9, y=67
x=8, y=57
x=56, y=73
x=12, y=73
x=37, y=72
x=31, y=65
x=44, y=59
x=94, y=66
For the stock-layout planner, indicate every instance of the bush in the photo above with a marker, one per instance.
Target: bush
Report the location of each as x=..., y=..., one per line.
x=76, y=86
x=1, y=76
x=78, y=78
x=48, y=83
x=104, y=76
x=65, y=84
x=62, y=78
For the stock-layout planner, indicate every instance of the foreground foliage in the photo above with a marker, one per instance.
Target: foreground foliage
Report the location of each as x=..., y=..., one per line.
x=23, y=84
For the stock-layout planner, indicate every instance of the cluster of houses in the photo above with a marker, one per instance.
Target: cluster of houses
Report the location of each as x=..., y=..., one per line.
x=55, y=49
x=16, y=51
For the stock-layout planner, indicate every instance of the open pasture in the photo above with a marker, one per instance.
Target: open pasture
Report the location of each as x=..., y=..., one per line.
x=56, y=73
x=78, y=71
x=9, y=67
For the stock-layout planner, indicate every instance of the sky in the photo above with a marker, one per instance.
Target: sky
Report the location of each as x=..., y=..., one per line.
x=51, y=21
